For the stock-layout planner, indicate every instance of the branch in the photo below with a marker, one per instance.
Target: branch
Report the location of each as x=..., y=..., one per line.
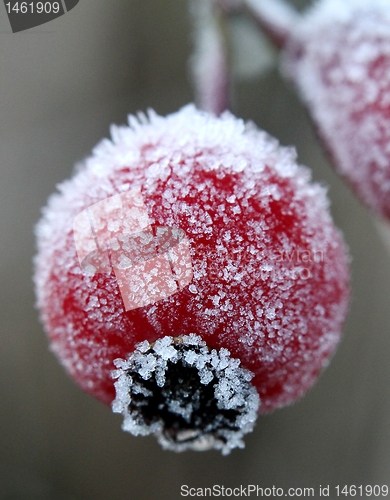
x=210, y=61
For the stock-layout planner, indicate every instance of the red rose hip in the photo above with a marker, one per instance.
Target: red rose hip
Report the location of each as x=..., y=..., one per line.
x=338, y=56
x=192, y=263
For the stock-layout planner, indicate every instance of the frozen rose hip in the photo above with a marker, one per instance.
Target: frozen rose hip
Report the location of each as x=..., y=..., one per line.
x=194, y=255
x=338, y=55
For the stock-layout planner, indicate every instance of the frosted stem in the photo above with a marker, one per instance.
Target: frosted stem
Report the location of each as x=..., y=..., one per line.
x=276, y=18
x=187, y=395
x=210, y=65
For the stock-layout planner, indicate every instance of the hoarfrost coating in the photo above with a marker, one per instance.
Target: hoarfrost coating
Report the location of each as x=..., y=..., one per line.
x=338, y=56
x=240, y=199
x=185, y=415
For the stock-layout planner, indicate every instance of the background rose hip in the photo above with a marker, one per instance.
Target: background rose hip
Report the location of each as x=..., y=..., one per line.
x=337, y=55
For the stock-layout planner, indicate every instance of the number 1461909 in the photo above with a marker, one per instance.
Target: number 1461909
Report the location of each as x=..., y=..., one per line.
x=362, y=491
x=33, y=7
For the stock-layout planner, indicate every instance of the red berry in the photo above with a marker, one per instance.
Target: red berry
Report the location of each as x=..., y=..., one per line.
x=253, y=301
x=338, y=56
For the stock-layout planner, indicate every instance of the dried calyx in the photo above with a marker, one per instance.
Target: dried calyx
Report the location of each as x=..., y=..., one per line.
x=189, y=396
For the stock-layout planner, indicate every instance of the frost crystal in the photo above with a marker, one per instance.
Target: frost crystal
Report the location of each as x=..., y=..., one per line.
x=189, y=396
x=255, y=226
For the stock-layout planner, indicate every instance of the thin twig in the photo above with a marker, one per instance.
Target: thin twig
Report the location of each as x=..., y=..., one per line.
x=210, y=61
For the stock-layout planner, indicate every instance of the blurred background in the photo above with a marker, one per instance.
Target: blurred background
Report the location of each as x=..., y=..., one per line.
x=61, y=85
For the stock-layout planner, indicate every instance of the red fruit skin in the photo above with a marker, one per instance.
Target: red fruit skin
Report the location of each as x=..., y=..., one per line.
x=338, y=57
x=270, y=270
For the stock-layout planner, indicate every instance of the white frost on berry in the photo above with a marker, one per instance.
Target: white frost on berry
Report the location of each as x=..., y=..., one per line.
x=345, y=11
x=224, y=182
x=338, y=56
x=154, y=397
